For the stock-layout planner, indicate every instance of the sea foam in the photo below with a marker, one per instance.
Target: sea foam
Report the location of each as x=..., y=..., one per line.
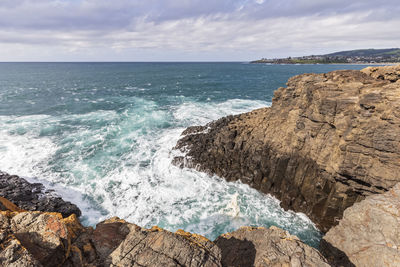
x=119, y=164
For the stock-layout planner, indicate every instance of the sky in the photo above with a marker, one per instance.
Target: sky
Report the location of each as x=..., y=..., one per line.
x=192, y=30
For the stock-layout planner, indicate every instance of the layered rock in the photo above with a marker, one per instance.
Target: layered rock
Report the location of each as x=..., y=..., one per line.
x=35, y=238
x=258, y=246
x=34, y=197
x=328, y=141
x=32, y=238
x=119, y=243
x=368, y=234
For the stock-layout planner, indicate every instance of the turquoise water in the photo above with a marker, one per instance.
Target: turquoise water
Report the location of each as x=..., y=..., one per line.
x=101, y=135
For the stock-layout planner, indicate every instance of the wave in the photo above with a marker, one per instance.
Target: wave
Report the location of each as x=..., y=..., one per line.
x=118, y=163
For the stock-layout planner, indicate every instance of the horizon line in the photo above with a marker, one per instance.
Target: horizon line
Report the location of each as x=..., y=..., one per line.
x=183, y=61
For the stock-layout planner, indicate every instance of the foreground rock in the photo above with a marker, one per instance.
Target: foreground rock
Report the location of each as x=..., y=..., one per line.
x=34, y=196
x=251, y=246
x=368, y=234
x=328, y=141
x=47, y=239
x=119, y=243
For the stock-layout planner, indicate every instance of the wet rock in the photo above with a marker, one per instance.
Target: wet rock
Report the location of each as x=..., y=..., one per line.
x=368, y=234
x=34, y=197
x=328, y=141
x=259, y=246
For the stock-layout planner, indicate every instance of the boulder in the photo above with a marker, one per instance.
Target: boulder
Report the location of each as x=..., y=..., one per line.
x=47, y=239
x=328, y=141
x=124, y=244
x=258, y=246
x=368, y=234
x=33, y=239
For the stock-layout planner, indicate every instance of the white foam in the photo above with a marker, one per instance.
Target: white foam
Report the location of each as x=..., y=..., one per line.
x=233, y=209
x=119, y=164
x=201, y=113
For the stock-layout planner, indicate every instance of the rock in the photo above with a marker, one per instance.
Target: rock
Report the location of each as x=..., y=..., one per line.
x=32, y=238
x=34, y=197
x=47, y=239
x=124, y=244
x=390, y=73
x=328, y=141
x=368, y=234
x=258, y=246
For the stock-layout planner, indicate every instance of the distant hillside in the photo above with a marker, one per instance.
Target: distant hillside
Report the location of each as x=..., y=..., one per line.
x=367, y=53
x=360, y=56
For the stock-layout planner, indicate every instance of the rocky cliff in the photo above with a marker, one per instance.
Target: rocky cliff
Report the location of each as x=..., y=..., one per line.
x=33, y=238
x=328, y=141
x=34, y=197
x=368, y=234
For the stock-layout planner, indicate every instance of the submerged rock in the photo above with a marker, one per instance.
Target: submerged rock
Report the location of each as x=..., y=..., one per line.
x=328, y=141
x=34, y=197
x=368, y=234
x=32, y=238
x=258, y=246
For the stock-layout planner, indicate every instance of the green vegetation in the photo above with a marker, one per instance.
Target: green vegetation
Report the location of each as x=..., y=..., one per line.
x=367, y=56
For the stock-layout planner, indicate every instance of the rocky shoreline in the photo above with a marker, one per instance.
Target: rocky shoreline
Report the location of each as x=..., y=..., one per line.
x=328, y=141
x=329, y=146
x=43, y=238
x=34, y=197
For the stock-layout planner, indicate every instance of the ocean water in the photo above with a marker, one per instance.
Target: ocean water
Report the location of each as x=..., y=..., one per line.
x=101, y=135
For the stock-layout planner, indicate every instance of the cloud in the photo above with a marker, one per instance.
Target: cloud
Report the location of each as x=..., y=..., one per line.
x=191, y=30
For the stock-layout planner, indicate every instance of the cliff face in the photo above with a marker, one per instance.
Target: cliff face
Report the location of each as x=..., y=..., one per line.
x=328, y=141
x=261, y=247
x=368, y=234
x=33, y=238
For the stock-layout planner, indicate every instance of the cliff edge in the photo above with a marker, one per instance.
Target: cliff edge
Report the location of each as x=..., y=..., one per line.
x=34, y=238
x=368, y=234
x=328, y=141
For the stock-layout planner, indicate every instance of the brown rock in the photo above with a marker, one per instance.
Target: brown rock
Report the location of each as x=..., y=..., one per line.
x=40, y=238
x=44, y=235
x=47, y=239
x=7, y=205
x=13, y=254
x=135, y=246
x=391, y=73
x=368, y=234
x=328, y=141
x=251, y=246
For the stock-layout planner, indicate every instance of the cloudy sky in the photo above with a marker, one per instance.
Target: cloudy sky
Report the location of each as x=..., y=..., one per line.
x=192, y=30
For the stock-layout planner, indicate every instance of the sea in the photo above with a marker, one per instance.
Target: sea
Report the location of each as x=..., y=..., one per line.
x=101, y=135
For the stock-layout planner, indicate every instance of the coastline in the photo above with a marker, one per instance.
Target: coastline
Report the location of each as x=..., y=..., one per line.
x=350, y=64
x=301, y=182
